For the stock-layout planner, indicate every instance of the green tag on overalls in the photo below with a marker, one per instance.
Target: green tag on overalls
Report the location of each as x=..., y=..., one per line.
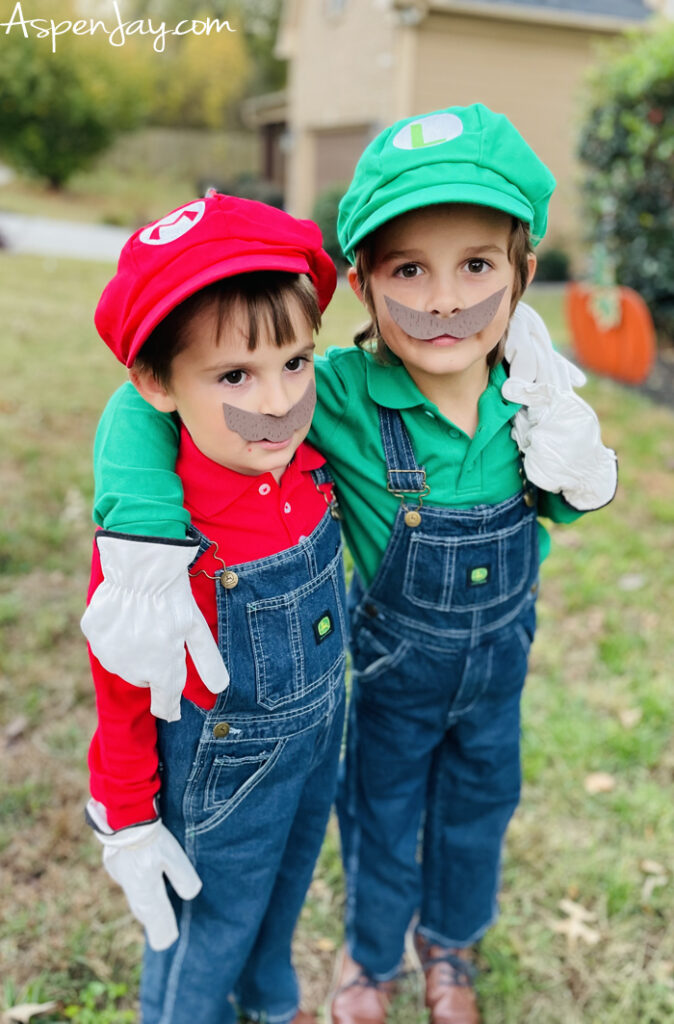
x=323, y=627
x=478, y=575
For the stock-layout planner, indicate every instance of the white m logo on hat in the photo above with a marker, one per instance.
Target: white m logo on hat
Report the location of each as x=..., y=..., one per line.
x=173, y=226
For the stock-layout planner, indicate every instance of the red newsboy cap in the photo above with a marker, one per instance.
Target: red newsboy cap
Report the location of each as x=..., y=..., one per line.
x=199, y=243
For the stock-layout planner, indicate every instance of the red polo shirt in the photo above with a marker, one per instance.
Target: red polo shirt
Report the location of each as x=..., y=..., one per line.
x=248, y=517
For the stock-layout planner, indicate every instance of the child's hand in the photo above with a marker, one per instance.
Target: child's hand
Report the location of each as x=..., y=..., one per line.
x=137, y=858
x=532, y=358
x=143, y=615
x=556, y=430
x=558, y=435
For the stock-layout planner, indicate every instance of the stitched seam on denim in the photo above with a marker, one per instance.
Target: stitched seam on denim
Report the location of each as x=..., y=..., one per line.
x=456, y=714
x=224, y=811
x=181, y=951
x=209, y=801
x=433, y=632
x=305, y=588
x=309, y=715
x=290, y=602
x=385, y=662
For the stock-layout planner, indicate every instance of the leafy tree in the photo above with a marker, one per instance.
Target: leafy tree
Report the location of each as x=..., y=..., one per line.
x=627, y=144
x=255, y=23
x=58, y=110
x=198, y=78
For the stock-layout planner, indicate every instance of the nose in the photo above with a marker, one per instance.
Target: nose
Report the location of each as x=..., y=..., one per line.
x=444, y=299
x=275, y=399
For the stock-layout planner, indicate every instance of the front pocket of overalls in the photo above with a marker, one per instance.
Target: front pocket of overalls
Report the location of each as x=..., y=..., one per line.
x=466, y=573
x=298, y=638
x=373, y=654
x=233, y=776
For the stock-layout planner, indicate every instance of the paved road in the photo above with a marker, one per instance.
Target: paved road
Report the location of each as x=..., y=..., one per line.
x=46, y=237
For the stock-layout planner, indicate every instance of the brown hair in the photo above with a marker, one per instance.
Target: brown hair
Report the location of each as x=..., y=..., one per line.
x=369, y=338
x=266, y=295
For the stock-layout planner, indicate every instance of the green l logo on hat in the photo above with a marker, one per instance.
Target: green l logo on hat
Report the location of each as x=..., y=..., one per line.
x=428, y=131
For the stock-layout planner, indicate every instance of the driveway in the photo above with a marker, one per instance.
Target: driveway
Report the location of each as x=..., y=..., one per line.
x=46, y=237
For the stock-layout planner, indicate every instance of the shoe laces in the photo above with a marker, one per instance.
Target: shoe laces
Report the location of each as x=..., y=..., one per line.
x=457, y=971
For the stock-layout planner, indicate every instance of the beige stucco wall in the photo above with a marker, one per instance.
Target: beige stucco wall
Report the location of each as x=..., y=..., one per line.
x=342, y=73
x=362, y=69
x=532, y=73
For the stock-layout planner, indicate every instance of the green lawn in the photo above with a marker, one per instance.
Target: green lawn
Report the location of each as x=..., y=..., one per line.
x=598, y=700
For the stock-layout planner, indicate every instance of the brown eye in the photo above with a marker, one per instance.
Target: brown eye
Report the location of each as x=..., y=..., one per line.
x=408, y=270
x=234, y=376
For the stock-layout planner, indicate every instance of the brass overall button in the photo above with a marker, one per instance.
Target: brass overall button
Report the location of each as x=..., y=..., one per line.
x=229, y=579
x=221, y=730
x=412, y=518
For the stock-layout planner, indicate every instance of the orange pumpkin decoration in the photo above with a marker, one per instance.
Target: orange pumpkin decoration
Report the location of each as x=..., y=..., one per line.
x=624, y=349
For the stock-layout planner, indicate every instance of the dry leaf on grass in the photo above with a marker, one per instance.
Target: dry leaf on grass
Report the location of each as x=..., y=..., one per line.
x=652, y=867
x=656, y=878
x=23, y=1014
x=325, y=945
x=629, y=717
x=576, y=926
x=599, y=782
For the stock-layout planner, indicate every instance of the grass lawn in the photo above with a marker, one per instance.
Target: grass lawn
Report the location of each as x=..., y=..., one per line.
x=585, y=933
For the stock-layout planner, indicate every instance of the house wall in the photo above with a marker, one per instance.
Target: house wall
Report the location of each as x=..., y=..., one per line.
x=343, y=87
x=354, y=72
x=532, y=73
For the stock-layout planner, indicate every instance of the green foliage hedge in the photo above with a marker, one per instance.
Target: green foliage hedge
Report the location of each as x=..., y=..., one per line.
x=627, y=145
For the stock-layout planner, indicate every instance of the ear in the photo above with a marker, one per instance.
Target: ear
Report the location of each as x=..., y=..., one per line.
x=352, y=278
x=147, y=385
x=532, y=262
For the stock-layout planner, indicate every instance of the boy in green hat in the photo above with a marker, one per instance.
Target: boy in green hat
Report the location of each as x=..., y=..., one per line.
x=449, y=428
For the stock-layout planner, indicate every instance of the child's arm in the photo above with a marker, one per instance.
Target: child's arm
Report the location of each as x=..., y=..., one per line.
x=556, y=430
x=142, y=616
x=137, y=848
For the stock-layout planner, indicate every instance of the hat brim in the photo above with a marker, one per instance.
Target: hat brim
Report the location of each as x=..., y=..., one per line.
x=215, y=272
x=448, y=192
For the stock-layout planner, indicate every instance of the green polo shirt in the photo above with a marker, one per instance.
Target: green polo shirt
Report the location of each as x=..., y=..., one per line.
x=461, y=471
x=138, y=492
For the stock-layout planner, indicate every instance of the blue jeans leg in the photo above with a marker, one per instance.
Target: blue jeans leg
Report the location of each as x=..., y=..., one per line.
x=474, y=788
x=381, y=797
x=234, y=810
x=268, y=984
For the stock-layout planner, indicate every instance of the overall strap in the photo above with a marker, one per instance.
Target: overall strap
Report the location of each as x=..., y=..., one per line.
x=321, y=475
x=404, y=474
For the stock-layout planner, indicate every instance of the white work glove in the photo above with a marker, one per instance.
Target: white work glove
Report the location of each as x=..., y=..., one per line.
x=143, y=615
x=556, y=430
x=137, y=858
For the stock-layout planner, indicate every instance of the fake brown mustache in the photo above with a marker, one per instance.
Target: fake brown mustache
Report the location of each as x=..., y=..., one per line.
x=260, y=426
x=425, y=326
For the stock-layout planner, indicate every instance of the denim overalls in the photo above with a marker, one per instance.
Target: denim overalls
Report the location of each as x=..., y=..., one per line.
x=440, y=642
x=246, y=787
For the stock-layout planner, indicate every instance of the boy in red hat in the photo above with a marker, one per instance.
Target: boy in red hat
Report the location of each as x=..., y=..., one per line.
x=225, y=789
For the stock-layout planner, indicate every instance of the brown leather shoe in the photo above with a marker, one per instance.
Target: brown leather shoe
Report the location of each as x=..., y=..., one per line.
x=449, y=983
x=358, y=999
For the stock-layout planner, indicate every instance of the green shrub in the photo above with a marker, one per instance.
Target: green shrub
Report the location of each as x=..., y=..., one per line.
x=59, y=110
x=627, y=145
x=553, y=265
x=325, y=215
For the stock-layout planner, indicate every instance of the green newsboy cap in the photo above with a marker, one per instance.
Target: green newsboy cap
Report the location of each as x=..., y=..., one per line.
x=456, y=155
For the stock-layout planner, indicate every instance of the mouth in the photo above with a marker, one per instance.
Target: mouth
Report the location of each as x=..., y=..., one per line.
x=441, y=341
x=273, y=446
